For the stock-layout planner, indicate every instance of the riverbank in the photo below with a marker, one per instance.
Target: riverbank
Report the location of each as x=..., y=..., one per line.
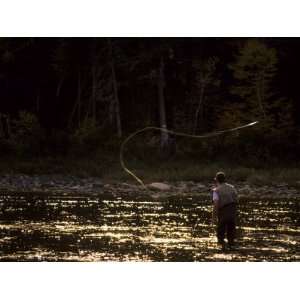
x=108, y=169
x=20, y=183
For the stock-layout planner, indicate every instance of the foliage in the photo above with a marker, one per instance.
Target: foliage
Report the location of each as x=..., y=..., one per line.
x=27, y=135
x=69, y=85
x=257, y=98
x=254, y=70
x=87, y=138
x=205, y=81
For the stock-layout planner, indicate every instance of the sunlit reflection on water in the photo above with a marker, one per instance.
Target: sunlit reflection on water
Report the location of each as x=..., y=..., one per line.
x=35, y=227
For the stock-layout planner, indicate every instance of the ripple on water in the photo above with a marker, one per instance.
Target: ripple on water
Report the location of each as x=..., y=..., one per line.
x=37, y=227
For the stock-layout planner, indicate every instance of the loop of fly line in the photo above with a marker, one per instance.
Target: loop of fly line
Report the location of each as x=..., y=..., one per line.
x=216, y=133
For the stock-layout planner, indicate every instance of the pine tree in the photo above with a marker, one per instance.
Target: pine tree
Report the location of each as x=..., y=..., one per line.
x=254, y=70
x=205, y=79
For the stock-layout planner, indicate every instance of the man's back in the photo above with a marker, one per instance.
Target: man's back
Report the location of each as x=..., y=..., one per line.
x=226, y=193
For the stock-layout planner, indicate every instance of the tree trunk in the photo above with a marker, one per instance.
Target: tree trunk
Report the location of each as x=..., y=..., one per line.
x=8, y=126
x=199, y=107
x=91, y=109
x=116, y=100
x=94, y=87
x=164, y=141
x=79, y=98
x=2, y=133
x=38, y=102
x=59, y=85
x=77, y=104
x=72, y=114
x=263, y=94
x=115, y=104
x=94, y=79
x=260, y=100
x=111, y=111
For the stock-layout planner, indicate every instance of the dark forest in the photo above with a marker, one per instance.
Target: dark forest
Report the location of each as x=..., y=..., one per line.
x=68, y=103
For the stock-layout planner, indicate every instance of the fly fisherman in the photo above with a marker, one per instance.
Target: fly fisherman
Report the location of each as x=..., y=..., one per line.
x=224, y=210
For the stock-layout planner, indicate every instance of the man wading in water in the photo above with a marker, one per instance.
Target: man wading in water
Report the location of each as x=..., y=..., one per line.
x=224, y=210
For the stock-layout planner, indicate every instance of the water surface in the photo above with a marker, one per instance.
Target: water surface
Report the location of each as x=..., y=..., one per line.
x=41, y=227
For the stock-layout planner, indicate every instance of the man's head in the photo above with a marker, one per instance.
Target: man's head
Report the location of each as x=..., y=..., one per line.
x=220, y=177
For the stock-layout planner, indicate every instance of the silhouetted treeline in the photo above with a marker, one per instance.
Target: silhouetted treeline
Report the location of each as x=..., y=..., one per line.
x=78, y=96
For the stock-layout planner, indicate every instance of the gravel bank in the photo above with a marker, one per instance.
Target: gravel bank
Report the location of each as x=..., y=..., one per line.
x=94, y=185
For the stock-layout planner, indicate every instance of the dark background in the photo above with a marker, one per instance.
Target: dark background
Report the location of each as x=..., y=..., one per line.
x=59, y=95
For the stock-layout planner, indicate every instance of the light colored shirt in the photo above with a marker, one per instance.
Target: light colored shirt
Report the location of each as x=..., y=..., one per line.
x=215, y=197
x=224, y=194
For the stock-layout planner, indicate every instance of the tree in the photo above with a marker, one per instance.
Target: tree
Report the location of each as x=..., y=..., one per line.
x=70, y=61
x=254, y=70
x=161, y=101
x=116, y=102
x=59, y=64
x=205, y=76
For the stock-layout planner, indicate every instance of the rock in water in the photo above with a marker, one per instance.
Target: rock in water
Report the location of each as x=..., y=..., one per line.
x=155, y=196
x=160, y=186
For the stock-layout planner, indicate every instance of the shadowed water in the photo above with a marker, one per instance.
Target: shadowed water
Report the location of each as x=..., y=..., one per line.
x=40, y=227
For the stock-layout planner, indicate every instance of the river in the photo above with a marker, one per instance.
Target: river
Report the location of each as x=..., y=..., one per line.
x=66, y=227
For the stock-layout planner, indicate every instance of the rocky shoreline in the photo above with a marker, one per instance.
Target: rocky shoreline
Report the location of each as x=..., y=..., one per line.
x=95, y=186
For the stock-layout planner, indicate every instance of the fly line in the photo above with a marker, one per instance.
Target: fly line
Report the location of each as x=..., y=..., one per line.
x=207, y=135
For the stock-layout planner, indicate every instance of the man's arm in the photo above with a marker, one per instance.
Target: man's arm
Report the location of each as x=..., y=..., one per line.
x=215, y=206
